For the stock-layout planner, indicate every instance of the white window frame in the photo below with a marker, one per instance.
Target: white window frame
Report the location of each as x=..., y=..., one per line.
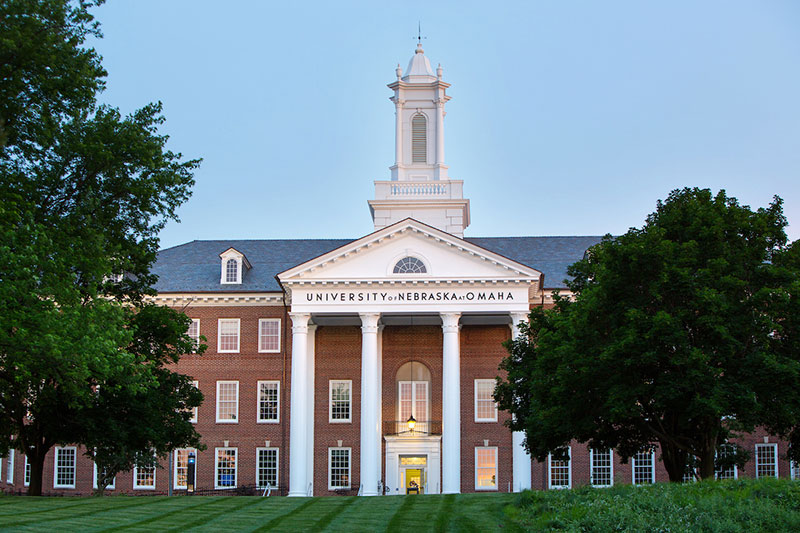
x=277, y=465
x=26, y=473
x=652, y=468
x=550, y=471
x=10, y=473
x=592, y=466
x=277, y=418
x=196, y=339
x=238, y=335
x=479, y=382
x=193, y=420
x=236, y=415
x=111, y=486
x=268, y=321
x=349, y=419
x=416, y=404
x=774, y=447
x=235, y=468
x=794, y=470
x=496, y=470
x=175, y=484
x=58, y=451
x=136, y=485
x=735, y=468
x=225, y=257
x=349, y=468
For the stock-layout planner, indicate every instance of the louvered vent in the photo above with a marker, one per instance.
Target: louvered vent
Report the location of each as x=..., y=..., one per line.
x=419, y=139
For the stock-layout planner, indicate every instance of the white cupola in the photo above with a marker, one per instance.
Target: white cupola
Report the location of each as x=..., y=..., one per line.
x=420, y=187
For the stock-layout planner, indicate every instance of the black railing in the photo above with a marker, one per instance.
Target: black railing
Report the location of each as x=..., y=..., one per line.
x=421, y=428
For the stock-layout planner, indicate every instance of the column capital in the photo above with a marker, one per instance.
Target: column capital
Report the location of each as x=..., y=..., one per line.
x=300, y=322
x=369, y=322
x=450, y=321
x=516, y=318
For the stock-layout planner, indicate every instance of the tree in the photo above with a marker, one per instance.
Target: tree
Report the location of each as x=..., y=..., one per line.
x=682, y=333
x=83, y=195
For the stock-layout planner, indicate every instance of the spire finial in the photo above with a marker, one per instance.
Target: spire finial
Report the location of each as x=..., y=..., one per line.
x=419, y=38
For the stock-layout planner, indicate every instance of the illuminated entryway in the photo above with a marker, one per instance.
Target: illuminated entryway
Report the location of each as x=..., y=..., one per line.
x=413, y=459
x=413, y=474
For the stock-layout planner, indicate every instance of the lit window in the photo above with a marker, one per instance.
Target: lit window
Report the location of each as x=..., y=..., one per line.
x=560, y=471
x=64, y=472
x=227, y=402
x=225, y=469
x=644, y=468
x=485, y=406
x=193, y=420
x=266, y=467
x=10, y=472
x=413, y=401
x=766, y=460
x=194, y=332
x=728, y=471
x=338, y=468
x=268, y=401
x=486, y=468
x=228, y=337
x=410, y=265
x=181, y=465
x=110, y=486
x=602, y=468
x=144, y=477
x=340, y=400
x=419, y=139
x=26, y=479
x=269, y=335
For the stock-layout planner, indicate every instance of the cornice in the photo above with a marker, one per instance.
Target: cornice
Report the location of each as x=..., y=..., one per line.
x=216, y=299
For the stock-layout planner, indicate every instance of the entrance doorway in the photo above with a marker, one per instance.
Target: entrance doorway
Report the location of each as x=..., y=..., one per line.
x=413, y=470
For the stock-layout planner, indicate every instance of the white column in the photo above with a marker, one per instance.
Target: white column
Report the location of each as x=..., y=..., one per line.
x=380, y=401
x=311, y=348
x=398, y=131
x=370, y=432
x=298, y=423
x=440, y=131
x=451, y=404
x=521, y=461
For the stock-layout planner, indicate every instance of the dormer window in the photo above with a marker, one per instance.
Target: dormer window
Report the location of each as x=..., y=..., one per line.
x=410, y=265
x=233, y=265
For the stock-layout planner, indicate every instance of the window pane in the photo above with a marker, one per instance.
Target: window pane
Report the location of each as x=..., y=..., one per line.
x=601, y=468
x=231, y=271
x=766, y=460
x=65, y=467
x=268, y=335
x=643, y=468
x=227, y=400
x=267, y=467
x=226, y=467
x=229, y=335
x=340, y=400
x=268, y=401
x=339, y=468
x=559, y=473
x=485, y=468
x=485, y=406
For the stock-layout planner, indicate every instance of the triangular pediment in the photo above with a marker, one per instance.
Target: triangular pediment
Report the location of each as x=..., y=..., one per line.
x=446, y=259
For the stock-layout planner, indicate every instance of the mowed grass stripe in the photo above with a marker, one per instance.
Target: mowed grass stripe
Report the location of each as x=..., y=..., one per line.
x=445, y=513
x=46, y=504
x=307, y=520
x=207, y=519
x=273, y=524
x=175, y=505
x=395, y=524
x=328, y=518
x=367, y=514
x=100, y=506
x=252, y=517
x=483, y=512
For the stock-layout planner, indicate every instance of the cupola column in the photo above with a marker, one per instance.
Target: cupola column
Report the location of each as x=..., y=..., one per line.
x=398, y=132
x=451, y=404
x=439, y=134
x=521, y=461
x=298, y=422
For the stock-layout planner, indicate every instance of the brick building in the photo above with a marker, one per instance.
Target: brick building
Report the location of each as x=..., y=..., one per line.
x=367, y=366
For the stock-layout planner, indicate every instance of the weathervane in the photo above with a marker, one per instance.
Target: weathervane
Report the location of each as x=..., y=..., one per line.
x=419, y=34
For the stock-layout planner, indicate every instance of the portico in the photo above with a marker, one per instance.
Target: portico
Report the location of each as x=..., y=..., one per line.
x=446, y=293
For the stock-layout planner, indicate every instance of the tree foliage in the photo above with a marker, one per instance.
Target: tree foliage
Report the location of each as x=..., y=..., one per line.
x=683, y=333
x=84, y=192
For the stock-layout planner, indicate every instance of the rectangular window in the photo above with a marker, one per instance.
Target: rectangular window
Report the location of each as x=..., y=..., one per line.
x=485, y=406
x=144, y=477
x=644, y=468
x=727, y=472
x=560, y=471
x=194, y=332
x=486, y=468
x=340, y=394
x=228, y=335
x=689, y=475
x=413, y=400
x=269, y=335
x=795, y=472
x=181, y=467
x=602, y=467
x=193, y=420
x=64, y=472
x=110, y=486
x=338, y=468
x=268, y=401
x=10, y=472
x=227, y=402
x=266, y=467
x=26, y=479
x=766, y=460
x=225, y=468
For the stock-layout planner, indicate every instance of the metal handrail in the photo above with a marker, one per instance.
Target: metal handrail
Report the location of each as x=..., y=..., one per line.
x=424, y=427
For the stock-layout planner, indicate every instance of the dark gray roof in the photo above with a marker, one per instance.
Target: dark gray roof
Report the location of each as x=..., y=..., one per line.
x=195, y=266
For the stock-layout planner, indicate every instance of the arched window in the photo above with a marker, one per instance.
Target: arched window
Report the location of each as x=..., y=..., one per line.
x=410, y=265
x=419, y=139
x=413, y=389
x=232, y=271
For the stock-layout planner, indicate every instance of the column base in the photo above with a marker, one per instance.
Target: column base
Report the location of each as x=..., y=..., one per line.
x=297, y=494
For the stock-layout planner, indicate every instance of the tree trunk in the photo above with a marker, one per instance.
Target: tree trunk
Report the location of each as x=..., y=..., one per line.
x=36, y=457
x=707, y=468
x=675, y=460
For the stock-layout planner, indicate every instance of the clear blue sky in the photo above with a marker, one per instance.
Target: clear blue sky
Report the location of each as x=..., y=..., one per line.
x=567, y=118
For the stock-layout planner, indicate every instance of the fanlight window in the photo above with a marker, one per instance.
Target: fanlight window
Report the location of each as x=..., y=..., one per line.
x=419, y=139
x=410, y=265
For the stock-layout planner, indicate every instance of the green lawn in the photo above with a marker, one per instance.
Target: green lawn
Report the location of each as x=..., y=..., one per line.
x=729, y=506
